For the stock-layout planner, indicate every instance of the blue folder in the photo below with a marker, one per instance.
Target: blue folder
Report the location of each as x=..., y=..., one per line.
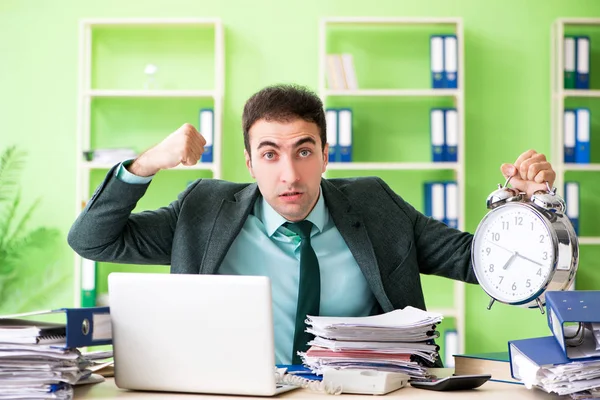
x=569, y=311
x=88, y=326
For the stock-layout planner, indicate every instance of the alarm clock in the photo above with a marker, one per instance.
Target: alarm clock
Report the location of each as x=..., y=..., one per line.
x=524, y=247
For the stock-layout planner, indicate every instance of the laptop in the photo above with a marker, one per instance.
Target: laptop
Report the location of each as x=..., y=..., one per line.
x=193, y=333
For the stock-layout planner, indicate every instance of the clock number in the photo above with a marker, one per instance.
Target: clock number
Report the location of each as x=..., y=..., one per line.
x=539, y=272
x=541, y=238
x=491, y=269
x=495, y=236
x=532, y=226
x=488, y=251
x=501, y=277
x=518, y=220
x=528, y=283
x=545, y=255
x=505, y=225
x=514, y=286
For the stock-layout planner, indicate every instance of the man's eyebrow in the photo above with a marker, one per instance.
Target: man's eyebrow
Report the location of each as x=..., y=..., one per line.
x=299, y=143
x=267, y=143
x=305, y=140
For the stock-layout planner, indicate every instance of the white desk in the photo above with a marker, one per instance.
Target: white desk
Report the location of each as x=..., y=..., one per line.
x=489, y=391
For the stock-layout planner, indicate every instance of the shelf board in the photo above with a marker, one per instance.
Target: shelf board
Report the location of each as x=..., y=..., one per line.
x=392, y=20
x=392, y=166
x=581, y=93
x=579, y=21
x=589, y=240
x=581, y=167
x=395, y=92
x=149, y=21
x=151, y=93
x=95, y=165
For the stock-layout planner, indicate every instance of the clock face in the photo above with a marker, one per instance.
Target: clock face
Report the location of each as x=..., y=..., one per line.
x=513, y=253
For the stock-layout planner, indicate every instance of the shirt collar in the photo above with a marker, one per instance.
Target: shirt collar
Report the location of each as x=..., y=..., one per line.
x=272, y=220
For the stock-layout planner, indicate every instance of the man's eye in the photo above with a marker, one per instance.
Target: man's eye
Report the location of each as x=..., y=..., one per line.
x=269, y=155
x=305, y=153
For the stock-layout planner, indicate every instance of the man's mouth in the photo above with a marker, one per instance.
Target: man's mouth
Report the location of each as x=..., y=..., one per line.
x=290, y=194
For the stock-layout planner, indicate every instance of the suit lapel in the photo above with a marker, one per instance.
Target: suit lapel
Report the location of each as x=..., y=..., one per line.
x=227, y=225
x=350, y=225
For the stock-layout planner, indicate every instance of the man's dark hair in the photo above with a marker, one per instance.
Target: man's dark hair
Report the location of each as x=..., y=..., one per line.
x=284, y=103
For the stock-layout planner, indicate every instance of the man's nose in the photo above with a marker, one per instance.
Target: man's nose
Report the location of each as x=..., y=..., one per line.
x=289, y=171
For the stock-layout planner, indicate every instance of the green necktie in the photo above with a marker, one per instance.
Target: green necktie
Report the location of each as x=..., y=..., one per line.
x=309, y=290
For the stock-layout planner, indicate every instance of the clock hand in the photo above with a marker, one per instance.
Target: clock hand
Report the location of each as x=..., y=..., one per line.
x=502, y=247
x=510, y=260
x=529, y=259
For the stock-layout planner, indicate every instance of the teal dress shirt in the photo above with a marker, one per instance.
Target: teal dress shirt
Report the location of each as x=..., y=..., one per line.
x=264, y=247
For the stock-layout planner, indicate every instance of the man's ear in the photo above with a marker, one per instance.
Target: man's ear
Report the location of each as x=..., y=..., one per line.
x=325, y=157
x=248, y=163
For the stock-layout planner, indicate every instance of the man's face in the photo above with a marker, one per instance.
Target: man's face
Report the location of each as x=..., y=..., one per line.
x=287, y=163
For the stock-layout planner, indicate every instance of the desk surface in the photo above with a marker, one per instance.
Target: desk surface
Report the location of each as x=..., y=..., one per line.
x=489, y=391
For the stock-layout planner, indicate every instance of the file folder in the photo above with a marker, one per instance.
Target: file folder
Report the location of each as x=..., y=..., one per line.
x=450, y=62
x=331, y=119
x=451, y=195
x=538, y=352
x=570, y=318
x=451, y=130
x=83, y=327
x=207, y=129
x=434, y=200
x=345, y=134
x=582, y=136
x=569, y=131
x=88, y=282
x=569, y=62
x=437, y=61
x=582, y=80
x=437, y=134
x=572, y=202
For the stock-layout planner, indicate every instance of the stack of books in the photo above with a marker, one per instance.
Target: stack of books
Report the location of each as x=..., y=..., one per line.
x=397, y=341
x=41, y=359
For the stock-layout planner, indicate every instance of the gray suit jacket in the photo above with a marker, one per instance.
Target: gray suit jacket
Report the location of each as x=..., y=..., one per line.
x=390, y=240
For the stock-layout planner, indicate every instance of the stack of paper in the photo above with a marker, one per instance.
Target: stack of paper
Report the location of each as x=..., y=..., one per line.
x=397, y=341
x=40, y=360
x=35, y=371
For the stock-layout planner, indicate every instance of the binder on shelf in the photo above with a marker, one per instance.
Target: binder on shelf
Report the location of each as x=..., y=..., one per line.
x=331, y=119
x=582, y=79
x=572, y=202
x=574, y=321
x=451, y=135
x=437, y=134
x=349, y=71
x=207, y=129
x=450, y=62
x=434, y=200
x=451, y=203
x=582, y=136
x=88, y=283
x=82, y=327
x=569, y=131
x=450, y=347
x=345, y=135
x=569, y=62
x=436, y=55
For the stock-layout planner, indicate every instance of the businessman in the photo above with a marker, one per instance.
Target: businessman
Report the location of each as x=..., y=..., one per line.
x=337, y=247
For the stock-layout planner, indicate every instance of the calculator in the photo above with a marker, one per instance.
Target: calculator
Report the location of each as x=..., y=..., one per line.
x=454, y=382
